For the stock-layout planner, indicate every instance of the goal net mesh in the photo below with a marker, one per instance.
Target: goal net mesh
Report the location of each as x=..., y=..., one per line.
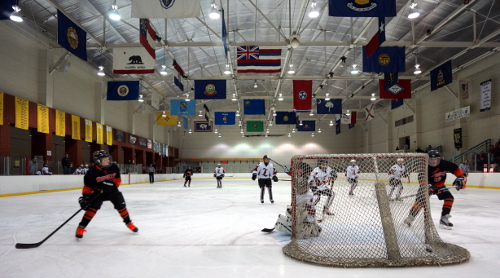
x=367, y=228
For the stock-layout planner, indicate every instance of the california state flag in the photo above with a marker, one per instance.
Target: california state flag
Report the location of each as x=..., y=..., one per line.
x=132, y=60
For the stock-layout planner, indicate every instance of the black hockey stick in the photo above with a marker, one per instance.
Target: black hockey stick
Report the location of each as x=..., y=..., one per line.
x=35, y=245
x=285, y=169
x=267, y=230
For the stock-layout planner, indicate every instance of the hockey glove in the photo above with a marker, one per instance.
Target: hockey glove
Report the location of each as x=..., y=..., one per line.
x=108, y=186
x=275, y=178
x=222, y=175
x=84, y=201
x=254, y=176
x=460, y=183
x=183, y=176
x=215, y=175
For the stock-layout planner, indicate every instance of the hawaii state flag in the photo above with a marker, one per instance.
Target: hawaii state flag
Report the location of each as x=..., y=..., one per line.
x=302, y=95
x=378, y=37
x=402, y=89
x=147, y=36
x=258, y=59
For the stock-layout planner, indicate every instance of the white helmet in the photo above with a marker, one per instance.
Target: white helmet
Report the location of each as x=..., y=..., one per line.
x=218, y=164
x=353, y=161
x=400, y=160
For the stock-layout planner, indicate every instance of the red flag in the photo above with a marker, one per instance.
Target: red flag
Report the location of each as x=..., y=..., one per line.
x=397, y=91
x=147, y=36
x=353, y=117
x=302, y=95
x=179, y=69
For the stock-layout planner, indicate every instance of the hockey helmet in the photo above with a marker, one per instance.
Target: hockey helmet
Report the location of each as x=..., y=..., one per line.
x=434, y=158
x=322, y=161
x=400, y=160
x=218, y=164
x=353, y=161
x=265, y=157
x=99, y=155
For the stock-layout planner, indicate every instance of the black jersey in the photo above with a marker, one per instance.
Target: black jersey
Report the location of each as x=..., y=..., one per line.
x=96, y=175
x=188, y=172
x=437, y=175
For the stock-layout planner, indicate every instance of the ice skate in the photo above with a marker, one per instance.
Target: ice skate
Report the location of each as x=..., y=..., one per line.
x=409, y=220
x=132, y=227
x=79, y=232
x=445, y=222
x=272, y=201
x=262, y=201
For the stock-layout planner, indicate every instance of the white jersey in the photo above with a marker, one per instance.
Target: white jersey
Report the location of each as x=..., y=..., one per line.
x=78, y=171
x=352, y=172
x=308, y=199
x=265, y=172
x=45, y=171
x=320, y=178
x=219, y=171
x=397, y=171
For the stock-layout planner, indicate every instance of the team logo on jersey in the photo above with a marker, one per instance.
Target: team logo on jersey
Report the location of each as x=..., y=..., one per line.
x=384, y=59
x=210, y=90
x=72, y=37
x=362, y=5
x=167, y=4
x=123, y=90
x=396, y=89
x=302, y=95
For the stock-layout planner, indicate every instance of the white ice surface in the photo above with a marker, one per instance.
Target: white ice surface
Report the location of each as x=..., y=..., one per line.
x=203, y=231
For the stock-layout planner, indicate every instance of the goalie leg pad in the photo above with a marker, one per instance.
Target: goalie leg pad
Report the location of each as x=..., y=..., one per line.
x=283, y=224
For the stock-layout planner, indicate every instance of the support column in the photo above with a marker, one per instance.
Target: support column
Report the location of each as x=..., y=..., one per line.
x=74, y=151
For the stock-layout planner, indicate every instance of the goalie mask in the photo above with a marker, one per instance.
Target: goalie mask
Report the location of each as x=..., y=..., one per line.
x=98, y=157
x=322, y=164
x=400, y=161
x=434, y=158
x=353, y=162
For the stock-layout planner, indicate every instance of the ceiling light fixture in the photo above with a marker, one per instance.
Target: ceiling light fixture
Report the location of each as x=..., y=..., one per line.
x=312, y=134
x=414, y=13
x=214, y=13
x=354, y=70
x=16, y=16
x=348, y=113
x=179, y=124
x=237, y=113
x=373, y=97
x=289, y=135
x=417, y=69
x=319, y=130
x=164, y=115
x=190, y=131
x=300, y=123
x=227, y=71
x=294, y=41
x=311, y=113
x=234, y=98
x=187, y=97
x=255, y=84
x=113, y=13
x=270, y=122
x=327, y=97
x=291, y=70
x=100, y=72
x=331, y=123
x=163, y=70
x=280, y=98
x=216, y=131
x=313, y=13
x=293, y=130
x=141, y=98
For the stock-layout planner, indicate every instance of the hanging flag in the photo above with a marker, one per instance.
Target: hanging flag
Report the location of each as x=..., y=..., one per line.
x=179, y=69
x=255, y=126
x=390, y=79
x=185, y=122
x=225, y=118
x=203, y=126
x=264, y=59
x=285, y=118
x=348, y=119
x=75, y=128
x=224, y=34
x=88, y=130
x=254, y=107
x=337, y=118
x=402, y=89
x=441, y=76
x=109, y=135
x=332, y=106
x=385, y=59
x=99, y=133
x=60, y=123
x=132, y=60
x=6, y=8
x=306, y=126
x=302, y=95
x=71, y=36
x=155, y=100
x=168, y=120
x=123, y=90
x=337, y=129
x=147, y=36
x=42, y=118
x=165, y=8
x=210, y=89
x=182, y=107
x=378, y=37
x=206, y=111
x=362, y=8
x=395, y=103
x=485, y=98
x=370, y=112
x=179, y=84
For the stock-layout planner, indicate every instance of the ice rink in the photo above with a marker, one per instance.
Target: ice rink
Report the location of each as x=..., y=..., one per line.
x=202, y=231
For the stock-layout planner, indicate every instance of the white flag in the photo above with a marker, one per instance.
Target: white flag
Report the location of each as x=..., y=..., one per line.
x=165, y=8
x=345, y=119
x=370, y=112
x=155, y=100
x=132, y=60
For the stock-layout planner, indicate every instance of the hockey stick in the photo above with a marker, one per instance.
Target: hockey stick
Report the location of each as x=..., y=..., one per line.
x=285, y=169
x=35, y=245
x=409, y=196
x=267, y=230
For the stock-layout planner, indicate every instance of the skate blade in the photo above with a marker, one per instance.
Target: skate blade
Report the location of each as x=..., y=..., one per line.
x=445, y=227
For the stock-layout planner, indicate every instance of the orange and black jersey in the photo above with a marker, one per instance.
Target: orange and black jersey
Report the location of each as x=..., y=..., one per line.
x=437, y=175
x=188, y=172
x=95, y=176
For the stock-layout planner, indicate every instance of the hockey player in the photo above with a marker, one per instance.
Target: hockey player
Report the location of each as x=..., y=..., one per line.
x=397, y=172
x=187, y=176
x=101, y=184
x=85, y=169
x=219, y=174
x=318, y=180
x=352, y=175
x=436, y=176
x=79, y=170
x=265, y=171
x=45, y=170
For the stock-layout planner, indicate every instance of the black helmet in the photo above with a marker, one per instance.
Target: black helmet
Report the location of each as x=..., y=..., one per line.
x=322, y=161
x=434, y=154
x=97, y=156
x=265, y=157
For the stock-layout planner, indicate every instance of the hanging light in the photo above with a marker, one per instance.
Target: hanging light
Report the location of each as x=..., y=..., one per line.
x=234, y=98
x=319, y=130
x=227, y=71
x=200, y=115
x=190, y=131
x=289, y=134
x=179, y=124
x=311, y=113
x=274, y=113
x=243, y=135
x=267, y=130
x=163, y=70
x=255, y=84
x=266, y=135
x=327, y=97
x=187, y=97
x=417, y=69
x=373, y=97
x=348, y=113
x=280, y=98
x=237, y=113
x=241, y=130
x=291, y=70
x=414, y=13
x=220, y=134
x=141, y=98
x=313, y=13
x=113, y=13
x=216, y=131
x=354, y=69
x=100, y=72
x=240, y=124
x=214, y=13
x=164, y=115
x=293, y=130
x=270, y=122
x=300, y=123
x=16, y=16
x=312, y=134
x=331, y=123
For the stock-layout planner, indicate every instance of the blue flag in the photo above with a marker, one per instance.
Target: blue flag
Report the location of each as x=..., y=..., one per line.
x=332, y=106
x=182, y=107
x=306, y=126
x=224, y=33
x=6, y=8
x=385, y=59
x=337, y=128
x=254, y=107
x=185, y=122
x=123, y=90
x=441, y=76
x=366, y=8
x=210, y=89
x=395, y=103
x=286, y=118
x=178, y=83
x=203, y=126
x=225, y=118
x=71, y=36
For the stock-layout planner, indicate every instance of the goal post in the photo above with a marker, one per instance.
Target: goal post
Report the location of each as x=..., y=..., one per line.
x=365, y=226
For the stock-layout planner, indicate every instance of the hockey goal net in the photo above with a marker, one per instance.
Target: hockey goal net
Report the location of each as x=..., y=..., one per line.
x=366, y=228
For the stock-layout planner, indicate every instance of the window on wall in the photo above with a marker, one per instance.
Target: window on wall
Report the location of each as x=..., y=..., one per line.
x=403, y=121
